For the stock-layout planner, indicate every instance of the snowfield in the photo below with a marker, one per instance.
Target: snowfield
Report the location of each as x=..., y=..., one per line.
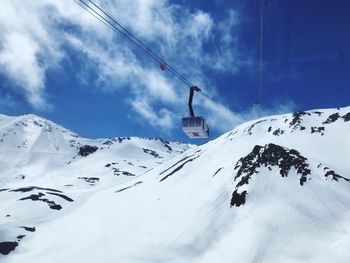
x=275, y=189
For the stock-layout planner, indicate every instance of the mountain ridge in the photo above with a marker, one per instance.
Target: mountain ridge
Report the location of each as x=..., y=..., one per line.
x=273, y=189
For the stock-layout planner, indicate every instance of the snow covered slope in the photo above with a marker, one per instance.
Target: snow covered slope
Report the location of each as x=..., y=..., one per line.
x=32, y=147
x=272, y=190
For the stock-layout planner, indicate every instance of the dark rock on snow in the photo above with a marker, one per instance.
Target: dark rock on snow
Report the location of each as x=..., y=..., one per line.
x=238, y=199
x=7, y=247
x=39, y=197
x=151, y=152
x=90, y=180
x=271, y=155
x=318, y=130
x=297, y=118
x=87, y=150
x=332, y=118
x=31, y=188
x=29, y=229
x=20, y=237
x=346, y=117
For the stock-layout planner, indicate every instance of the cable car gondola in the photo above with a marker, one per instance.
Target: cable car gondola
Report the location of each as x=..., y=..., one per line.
x=194, y=127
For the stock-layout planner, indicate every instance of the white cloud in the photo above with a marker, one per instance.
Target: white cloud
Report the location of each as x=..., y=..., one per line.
x=159, y=87
x=226, y=26
x=20, y=51
x=35, y=35
x=18, y=60
x=220, y=116
x=226, y=57
x=162, y=118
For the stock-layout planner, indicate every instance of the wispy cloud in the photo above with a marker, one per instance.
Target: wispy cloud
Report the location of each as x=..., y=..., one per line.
x=42, y=31
x=162, y=118
x=223, y=119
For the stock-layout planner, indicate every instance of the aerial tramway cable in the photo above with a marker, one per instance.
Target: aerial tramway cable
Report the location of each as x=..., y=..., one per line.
x=194, y=127
x=262, y=7
x=105, y=21
x=112, y=23
x=87, y=10
x=163, y=63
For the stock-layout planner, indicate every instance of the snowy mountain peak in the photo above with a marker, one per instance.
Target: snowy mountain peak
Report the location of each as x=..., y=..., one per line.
x=29, y=145
x=312, y=122
x=30, y=121
x=243, y=196
x=30, y=132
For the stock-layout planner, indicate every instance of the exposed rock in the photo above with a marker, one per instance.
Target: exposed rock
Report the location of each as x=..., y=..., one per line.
x=332, y=118
x=7, y=247
x=297, y=118
x=249, y=130
x=127, y=173
x=151, y=152
x=238, y=199
x=218, y=171
x=62, y=196
x=87, y=150
x=39, y=197
x=318, y=130
x=271, y=155
x=346, y=117
x=128, y=187
x=188, y=159
x=278, y=132
x=31, y=188
x=90, y=180
x=29, y=229
x=333, y=176
x=319, y=113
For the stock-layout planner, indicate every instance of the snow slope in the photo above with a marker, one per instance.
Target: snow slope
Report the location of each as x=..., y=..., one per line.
x=32, y=147
x=272, y=190
x=44, y=168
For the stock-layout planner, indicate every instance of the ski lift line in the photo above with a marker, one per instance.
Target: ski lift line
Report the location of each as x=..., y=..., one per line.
x=127, y=31
x=93, y=14
x=161, y=60
x=194, y=127
x=204, y=94
x=142, y=44
x=124, y=35
x=130, y=37
x=262, y=13
x=261, y=48
x=116, y=29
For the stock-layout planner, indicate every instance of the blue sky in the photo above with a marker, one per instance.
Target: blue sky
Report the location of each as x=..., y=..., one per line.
x=61, y=63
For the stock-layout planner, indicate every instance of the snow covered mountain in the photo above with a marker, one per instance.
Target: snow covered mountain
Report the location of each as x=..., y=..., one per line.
x=273, y=190
x=31, y=147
